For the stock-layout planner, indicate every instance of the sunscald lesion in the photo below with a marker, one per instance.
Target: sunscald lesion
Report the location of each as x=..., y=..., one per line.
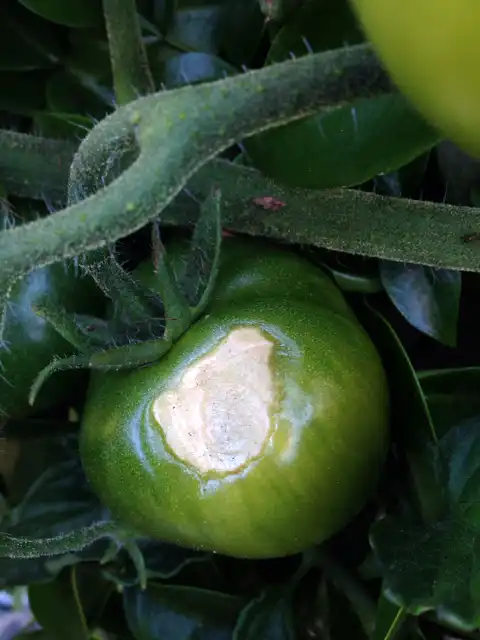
x=217, y=417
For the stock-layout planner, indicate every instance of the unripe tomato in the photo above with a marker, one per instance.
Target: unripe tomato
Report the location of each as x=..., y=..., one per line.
x=261, y=432
x=30, y=343
x=431, y=49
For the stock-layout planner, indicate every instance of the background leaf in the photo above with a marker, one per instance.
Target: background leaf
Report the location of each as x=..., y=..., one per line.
x=74, y=13
x=452, y=396
x=190, y=68
x=428, y=298
x=350, y=145
x=180, y=613
x=57, y=608
x=26, y=41
x=437, y=567
x=266, y=617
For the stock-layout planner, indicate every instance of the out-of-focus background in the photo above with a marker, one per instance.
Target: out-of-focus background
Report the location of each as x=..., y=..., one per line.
x=15, y=615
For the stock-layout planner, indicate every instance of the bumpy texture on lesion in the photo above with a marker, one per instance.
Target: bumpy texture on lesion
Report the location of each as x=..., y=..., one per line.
x=218, y=416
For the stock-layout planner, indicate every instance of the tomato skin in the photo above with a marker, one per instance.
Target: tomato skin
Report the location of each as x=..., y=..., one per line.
x=431, y=50
x=30, y=343
x=315, y=472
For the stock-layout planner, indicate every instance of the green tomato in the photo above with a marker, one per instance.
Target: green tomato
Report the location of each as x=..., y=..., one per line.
x=261, y=432
x=431, y=49
x=30, y=343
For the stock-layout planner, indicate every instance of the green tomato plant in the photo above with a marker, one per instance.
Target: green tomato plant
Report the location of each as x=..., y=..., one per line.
x=239, y=355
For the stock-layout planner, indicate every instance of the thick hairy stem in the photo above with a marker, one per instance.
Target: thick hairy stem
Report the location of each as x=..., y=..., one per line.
x=131, y=73
x=339, y=219
x=434, y=234
x=177, y=132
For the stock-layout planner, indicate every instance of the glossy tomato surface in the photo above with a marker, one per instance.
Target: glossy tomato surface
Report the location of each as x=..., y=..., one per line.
x=287, y=451
x=431, y=49
x=30, y=343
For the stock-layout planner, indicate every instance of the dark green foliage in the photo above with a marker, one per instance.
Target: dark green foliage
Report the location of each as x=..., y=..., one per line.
x=109, y=118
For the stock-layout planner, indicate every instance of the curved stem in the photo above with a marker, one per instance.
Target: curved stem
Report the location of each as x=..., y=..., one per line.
x=178, y=132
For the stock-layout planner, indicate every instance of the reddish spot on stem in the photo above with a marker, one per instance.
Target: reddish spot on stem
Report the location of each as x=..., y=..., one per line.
x=269, y=203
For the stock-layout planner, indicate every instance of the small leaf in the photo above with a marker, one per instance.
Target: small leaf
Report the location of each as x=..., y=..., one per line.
x=66, y=94
x=452, y=395
x=436, y=567
x=180, y=613
x=58, y=515
x=267, y=617
x=428, y=298
x=162, y=560
x=201, y=270
x=74, y=13
x=177, y=310
x=57, y=608
x=411, y=424
x=134, y=306
x=64, y=323
x=68, y=363
x=61, y=126
x=389, y=620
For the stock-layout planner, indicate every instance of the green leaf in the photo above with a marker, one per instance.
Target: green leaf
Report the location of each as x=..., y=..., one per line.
x=64, y=323
x=74, y=13
x=65, y=94
x=345, y=597
x=175, y=303
x=389, y=620
x=436, y=567
x=61, y=125
x=26, y=41
x=180, y=613
x=411, y=423
x=162, y=561
x=428, y=298
x=198, y=279
x=345, y=147
x=88, y=54
x=57, y=608
x=267, y=617
x=135, y=308
x=452, y=395
x=24, y=171
x=58, y=516
x=58, y=502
